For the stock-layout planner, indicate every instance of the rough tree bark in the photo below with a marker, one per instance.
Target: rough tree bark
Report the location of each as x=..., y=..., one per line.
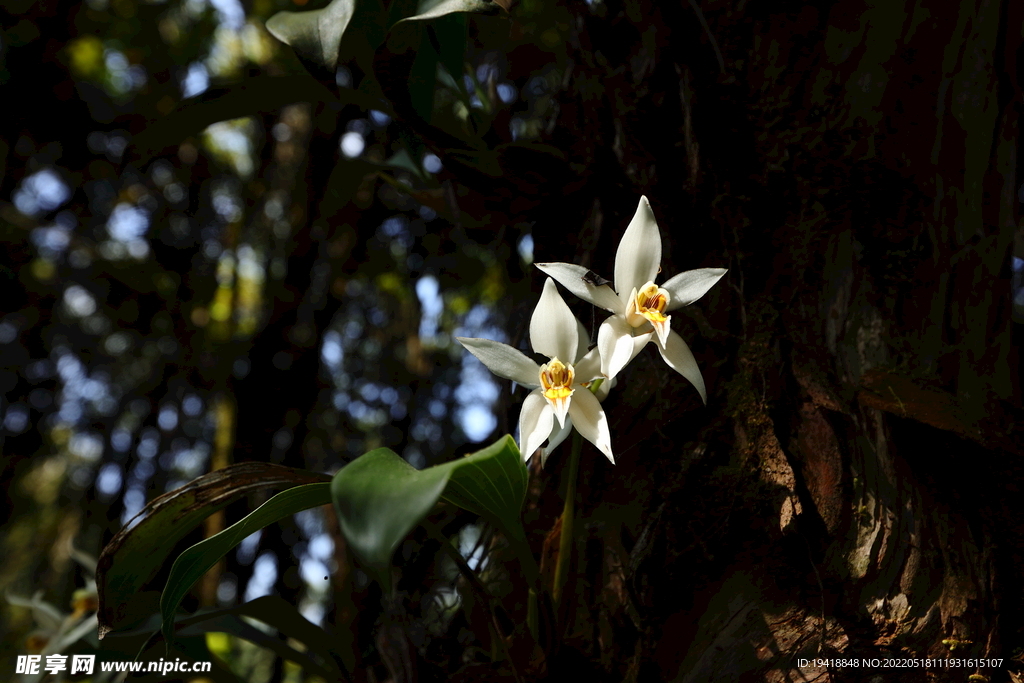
x=848, y=491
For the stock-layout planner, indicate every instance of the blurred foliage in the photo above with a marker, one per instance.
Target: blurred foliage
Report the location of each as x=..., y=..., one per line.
x=213, y=257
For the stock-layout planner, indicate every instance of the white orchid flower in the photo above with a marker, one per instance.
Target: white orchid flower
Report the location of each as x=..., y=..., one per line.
x=560, y=398
x=638, y=305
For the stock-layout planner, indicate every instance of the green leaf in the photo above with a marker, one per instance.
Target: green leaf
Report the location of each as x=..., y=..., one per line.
x=450, y=33
x=405, y=32
x=423, y=80
x=197, y=560
x=140, y=550
x=492, y=483
x=380, y=498
x=314, y=35
x=432, y=9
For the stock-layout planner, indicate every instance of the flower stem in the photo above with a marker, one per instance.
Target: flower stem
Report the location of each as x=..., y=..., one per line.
x=565, y=543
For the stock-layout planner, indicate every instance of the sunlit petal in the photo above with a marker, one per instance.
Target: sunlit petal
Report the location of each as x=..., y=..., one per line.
x=589, y=419
x=615, y=344
x=691, y=285
x=589, y=367
x=679, y=357
x=639, y=255
x=535, y=421
x=558, y=435
x=662, y=328
x=503, y=360
x=553, y=327
x=574, y=278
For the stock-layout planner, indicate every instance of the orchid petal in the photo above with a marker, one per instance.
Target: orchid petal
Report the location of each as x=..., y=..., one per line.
x=572, y=277
x=503, y=360
x=615, y=344
x=679, y=357
x=589, y=419
x=561, y=406
x=618, y=346
x=639, y=255
x=589, y=367
x=662, y=328
x=535, y=421
x=691, y=285
x=558, y=435
x=553, y=329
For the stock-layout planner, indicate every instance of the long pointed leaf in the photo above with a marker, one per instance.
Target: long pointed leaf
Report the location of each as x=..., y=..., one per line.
x=140, y=550
x=197, y=560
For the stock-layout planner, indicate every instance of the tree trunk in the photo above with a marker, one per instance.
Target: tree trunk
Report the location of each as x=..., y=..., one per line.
x=847, y=491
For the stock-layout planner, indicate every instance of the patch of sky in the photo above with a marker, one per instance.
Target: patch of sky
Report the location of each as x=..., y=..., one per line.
x=168, y=417
x=123, y=76
x=313, y=571
x=149, y=444
x=41, y=192
x=79, y=303
x=414, y=456
x=340, y=400
x=227, y=589
x=192, y=405
x=195, y=81
x=109, y=480
x=121, y=440
x=395, y=226
x=507, y=92
x=432, y=163
x=352, y=144
x=313, y=610
x=16, y=418
x=52, y=240
x=264, y=574
x=142, y=471
x=486, y=72
x=477, y=390
x=88, y=447
x=230, y=13
x=525, y=248
x=431, y=304
x=246, y=552
x=189, y=463
x=134, y=499
x=225, y=200
x=370, y=392
x=343, y=77
x=8, y=332
x=128, y=225
x=321, y=547
x=332, y=352
x=470, y=546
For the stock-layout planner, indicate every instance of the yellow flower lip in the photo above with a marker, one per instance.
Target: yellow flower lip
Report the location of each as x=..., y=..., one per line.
x=556, y=380
x=651, y=301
